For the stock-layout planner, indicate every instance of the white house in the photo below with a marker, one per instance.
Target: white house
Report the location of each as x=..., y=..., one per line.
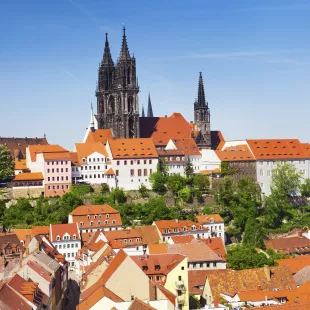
x=66, y=239
x=209, y=160
x=133, y=161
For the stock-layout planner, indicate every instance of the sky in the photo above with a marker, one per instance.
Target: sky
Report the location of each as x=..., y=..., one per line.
x=254, y=57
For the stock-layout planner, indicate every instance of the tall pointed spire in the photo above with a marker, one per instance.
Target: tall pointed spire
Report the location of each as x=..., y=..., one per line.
x=92, y=121
x=143, y=114
x=107, y=58
x=201, y=92
x=149, y=107
x=124, y=54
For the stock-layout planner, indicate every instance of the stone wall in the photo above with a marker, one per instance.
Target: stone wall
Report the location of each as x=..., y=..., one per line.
x=27, y=192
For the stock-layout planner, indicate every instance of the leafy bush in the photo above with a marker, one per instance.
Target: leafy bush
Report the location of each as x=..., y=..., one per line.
x=185, y=194
x=143, y=191
x=80, y=190
x=104, y=188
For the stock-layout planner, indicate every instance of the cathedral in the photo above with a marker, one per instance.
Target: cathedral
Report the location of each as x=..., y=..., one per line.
x=118, y=101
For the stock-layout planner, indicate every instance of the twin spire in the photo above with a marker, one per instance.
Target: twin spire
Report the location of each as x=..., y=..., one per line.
x=149, y=108
x=124, y=54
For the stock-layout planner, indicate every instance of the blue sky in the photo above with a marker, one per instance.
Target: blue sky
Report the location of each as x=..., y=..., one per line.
x=254, y=56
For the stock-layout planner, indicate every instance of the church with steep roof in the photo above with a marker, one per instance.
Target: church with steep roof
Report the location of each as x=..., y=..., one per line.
x=118, y=106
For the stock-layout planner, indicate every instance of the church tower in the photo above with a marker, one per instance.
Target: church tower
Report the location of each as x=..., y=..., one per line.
x=202, y=118
x=118, y=93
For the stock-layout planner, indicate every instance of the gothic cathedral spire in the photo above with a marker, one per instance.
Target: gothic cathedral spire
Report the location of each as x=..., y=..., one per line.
x=143, y=114
x=118, y=93
x=202, y=118
x=149, y=107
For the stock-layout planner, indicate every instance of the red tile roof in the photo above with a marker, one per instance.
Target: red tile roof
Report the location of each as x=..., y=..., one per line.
x=289, y=245
x=149, y=234
x=110, y=172
x=20, y=164
x=61, y=229
x=132, y=148
x=45, y=149
x=235, y=153
x=29, y=176
x=123, y=238
x=99, y=135
x=182, y=239
x=171, y=224
x=295, y=263
x=216, y=244
x=40, y=271
x=187, y=145
x=160, y=248
x=138, y=304
x=93, y=210
x=277, y=149
x=85, y=149
x=207, y=219
x=196, y=279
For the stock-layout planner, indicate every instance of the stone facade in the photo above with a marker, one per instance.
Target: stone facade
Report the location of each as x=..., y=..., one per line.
x=118, y=93
x=28, y=192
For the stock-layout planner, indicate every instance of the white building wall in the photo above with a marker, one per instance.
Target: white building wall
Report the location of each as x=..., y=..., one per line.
x=209, y=160
x=132, y=251
x=68, y=248
x=264, y=171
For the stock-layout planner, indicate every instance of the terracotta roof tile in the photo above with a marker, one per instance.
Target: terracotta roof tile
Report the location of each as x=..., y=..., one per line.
x=276, y=149
x=45, y=149
x=85, y=149
x=171, y=224
x=61, y=229
x=74, y=158
x=123, y=238
x=216, y=244
x=207, y=218
x=22, y=233
x=196, y=279
x=20, y=164
x=157, y=248
x=94, y=210
x=187, y=145
x=289, y=245
x=235, y=153
x=40, y=271
x=295, y=263
x=29, y=176
x=132, y=148
x=110, y=172
x=99, y=135
x=149, y=234
x=182, y=239
x=138, y=304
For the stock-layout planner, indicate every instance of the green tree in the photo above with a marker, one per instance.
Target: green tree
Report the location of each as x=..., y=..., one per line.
x=158, y=181
x=226, y=169
x=118, y=195
x=162, y=167
x=143, y=191
x=285, y=181
x=224, y=192
x=185, y=194
x=305, y=188
x=245, y=257
x=253, y=234
x=189, y=169
x=176, y=182
x=104, y=188
x=6, y=163
x=201, y=182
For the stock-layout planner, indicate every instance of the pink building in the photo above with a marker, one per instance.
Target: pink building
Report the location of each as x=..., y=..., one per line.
x=55, y=164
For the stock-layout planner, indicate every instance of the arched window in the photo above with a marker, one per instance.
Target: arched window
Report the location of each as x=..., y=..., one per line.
x=111, y=105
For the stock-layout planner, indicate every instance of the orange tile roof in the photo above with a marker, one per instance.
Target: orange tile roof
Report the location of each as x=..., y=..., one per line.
x=170, y=296
x=22, y=233
x=227, y=281
x=74, y=158
x=306, y=149
x=149, y=234
x=216, y=244
x=187, y=145
x=296, y=306
x=40, y=270
x=96, y=296
x=208, y=172
x=61, y=229
x=99, y=135
x=235, y=153
x=195, y=252
x=110, y=172
x=295, y=263
x=138, y=304
x=182, y=239
x=276, y=149
x=48, y=148
x=133, y=148
x=196, y=279
x=121, y=238
x=40, y=230
x=20, y=164
x=29, y=176
x=166, y=263
x=162, y=129
x=206, y=219
x=171, y=224
x=94, y=210
x=160, y=248
x=85, y=149
x=289, y=245
x=57, y=155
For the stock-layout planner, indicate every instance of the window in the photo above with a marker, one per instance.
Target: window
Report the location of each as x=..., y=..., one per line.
x=66, y=169
x=91, y=223
x=261, y=172
x=145, y=172
x=113, y=222
x=138, y=162
x=150, y=161
x=60, y=246
x=62, y=169
x=48, y=187
x=145, y=161
x=94, y=167
x=268, y=173
x=81, y=224
x=76, y=245
x=53, y=170
x=180, y=278
x=89, y=160
x=68, y=254
x=125, y=162
x=62, y=178
x=48, y=171
x=88, y=217
x=74, y=237
x=67, y=186
x=57, y=178
x=57, y=186
x=139, y=172
x=131, y=162
x=182, y=268
x=58, y=238
x=106, y=222
x=72, y=245
x=125, y=241
x=130, y=240
x=52, y=163
x=48, y=179
x=138, y=239
x=99, y=222
x=98, y=167
x=107, y=216
x=117, y=173
x=132, y=172
x=57, y=170
x=151, y=171
x=118, y=162
x=85, y=167
x=67, y=178
x=48, y=162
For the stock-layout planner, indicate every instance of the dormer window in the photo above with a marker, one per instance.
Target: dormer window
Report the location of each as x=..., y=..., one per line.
x=200, y=227
x=212, y=220
x=106, y=222
x=144, y=268
x=157, y=267
x=184, y=229
x=125, y=241
x=130, y=241
x=88, y=217
x=74, y=237
x=81, y=224
x=113, y=222
x=91, y=223
x=95, y=216
x=107, y=216
x=100, y=216
x=193, y=227
x=99, y=222
x=84, y=160
x=176, y=230
x=138, y=239
x=58, y=238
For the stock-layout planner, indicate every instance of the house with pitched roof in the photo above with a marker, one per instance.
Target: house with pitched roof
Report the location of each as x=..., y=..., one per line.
x=28, y=185
x=96, y=217
x=133, y=161
x=66, y=239
x=54, y=163
x=92, y=164
x=169, y=271
x=123, y=281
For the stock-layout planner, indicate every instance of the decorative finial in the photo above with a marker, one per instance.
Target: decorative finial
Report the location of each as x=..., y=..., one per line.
x=106, y=36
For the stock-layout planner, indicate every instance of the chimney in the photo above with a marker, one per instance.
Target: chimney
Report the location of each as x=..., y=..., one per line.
x=299, y=234
x=259, y=288
x=27, y=241
x=20, y=258
x=267, y=272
